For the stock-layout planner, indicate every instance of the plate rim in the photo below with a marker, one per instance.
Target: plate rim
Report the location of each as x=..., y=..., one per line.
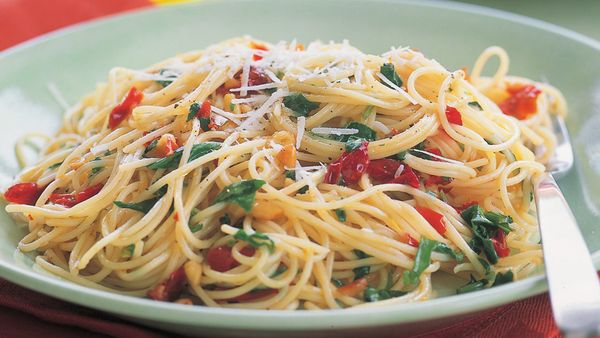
x=273, y=320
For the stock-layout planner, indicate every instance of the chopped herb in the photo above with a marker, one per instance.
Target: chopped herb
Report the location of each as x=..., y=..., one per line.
x=443, y=248
x=530, y=196
x=280, y=269
x=299, y=104
x=269, y=90
x=280, y=74
x=256, y=240
x=338, y=283
x=241, y=193
x=360, y=254
x=172, y=161
x=361, y=271
x=473, y=285
x=303, y=190
x=94, y=172
x=422, y=261
x=489, y=272
x=341, y=214
x=389, y=71
x=196, y=228
x=475, y=104
x=194, y=108
x=128, y=251
x=365, y=115
x=55, y=165
x=150, y=146
x=231, y=107
x=290, y=174
x=400, y=156
x=375, y=295
x=225, y=219
x=503, y=278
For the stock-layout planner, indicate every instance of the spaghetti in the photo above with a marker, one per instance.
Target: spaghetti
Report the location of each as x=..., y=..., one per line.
x=288, y=177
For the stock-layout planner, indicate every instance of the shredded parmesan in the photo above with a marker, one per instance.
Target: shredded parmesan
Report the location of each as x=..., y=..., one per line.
x=398, y=89
x=334, y=131
x=225, y=114
x=246, y=74
x=438, y=157
x=399, y=171
x=300, y=134
x=257, y=87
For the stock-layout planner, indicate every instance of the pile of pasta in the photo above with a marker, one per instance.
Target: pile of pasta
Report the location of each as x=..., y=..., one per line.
x=284, y=176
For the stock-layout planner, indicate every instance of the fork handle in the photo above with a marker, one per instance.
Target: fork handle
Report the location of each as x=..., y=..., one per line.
x=572, y=278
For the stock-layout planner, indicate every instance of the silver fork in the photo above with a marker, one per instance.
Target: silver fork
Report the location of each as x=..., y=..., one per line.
x=572, y=279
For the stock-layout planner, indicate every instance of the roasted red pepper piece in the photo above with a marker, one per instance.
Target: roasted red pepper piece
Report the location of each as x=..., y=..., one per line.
x=383, y=170
x=522, y=101
x=257, y=77
x=334, y=171
x=461, y=208
x=23, y=193
x=354, y=288
x=500, y=244
x=169, y=289
x=221, y=259
x=355, y=163
x=70, y=200
x=408, y=177
x=121, y=111
x=453, y=115
x=410, y=240
x=434, y=218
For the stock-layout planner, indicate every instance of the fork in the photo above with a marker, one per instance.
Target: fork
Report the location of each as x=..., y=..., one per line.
x=572, y=279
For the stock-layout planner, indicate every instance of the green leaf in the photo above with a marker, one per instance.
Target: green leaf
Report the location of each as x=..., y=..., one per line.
x=143, y=206
x=241, y=193
x=360, y=254
x=290, y=174
x=196, y=228
x=303, y=190
x=475, y=105
x=225, y=219
x=364, y=132
x=198, y=150
x=361, y=271
x=256, y=240
x=503, y=278
x=204, y=123
x=128, y=251
x=280, y=269
x=389, y=71
x=500, y=220
x=194, y=108
x=374, y=295
x=170, y=75
x=354, y=143
x=298, y=103
x=231, y=107
x=443, y=248
x=472, y=285
x=341, y=214
x=489, y=273
x=365, y=115
x=485, y=226
x=55, y=165
x=422, y=261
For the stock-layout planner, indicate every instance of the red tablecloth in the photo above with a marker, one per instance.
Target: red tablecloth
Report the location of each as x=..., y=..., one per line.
x=25, y=313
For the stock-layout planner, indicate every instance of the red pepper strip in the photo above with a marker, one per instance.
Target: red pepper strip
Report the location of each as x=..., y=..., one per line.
x=355, y=163
x=410, y=240
x=121, y=111
x=23, y=193
x=254, y=295
x=437, y=180
x=168, y=290
x=354, y=288
x=220, y=258
x=70, y=200
x=500, y=244
x=434, y=218
x=258, y=46
x=453, y=115
x=204, y=109
x=434, y=151
x=461, y=208
x=522, y=102
x=334, y=171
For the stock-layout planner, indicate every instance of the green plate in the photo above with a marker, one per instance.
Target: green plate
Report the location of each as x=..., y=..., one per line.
x=75, y=59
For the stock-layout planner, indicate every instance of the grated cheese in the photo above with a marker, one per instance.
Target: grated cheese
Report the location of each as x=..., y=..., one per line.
x=399, y=171
x=438, y=157
x=334, y=131
x=398, y=89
